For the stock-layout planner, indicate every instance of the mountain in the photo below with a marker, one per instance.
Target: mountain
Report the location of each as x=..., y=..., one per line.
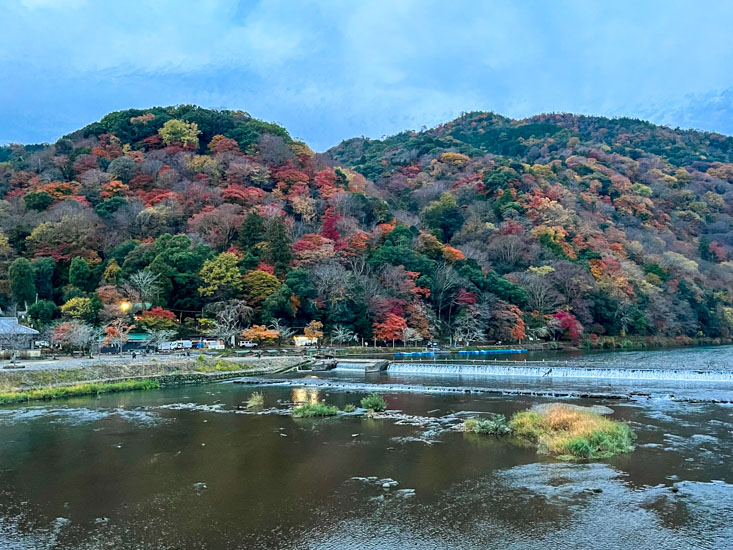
x=553, y=227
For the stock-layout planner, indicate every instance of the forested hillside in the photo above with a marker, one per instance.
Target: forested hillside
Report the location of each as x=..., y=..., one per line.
x=485, y=228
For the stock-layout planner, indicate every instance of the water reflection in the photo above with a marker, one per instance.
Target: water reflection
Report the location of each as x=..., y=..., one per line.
x=309, y=396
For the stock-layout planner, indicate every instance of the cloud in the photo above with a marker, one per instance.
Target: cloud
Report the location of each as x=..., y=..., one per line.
x=329, y=70
x=711, y=111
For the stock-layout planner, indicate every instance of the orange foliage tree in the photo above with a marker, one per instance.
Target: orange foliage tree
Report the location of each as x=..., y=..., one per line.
x=260, y=334
x=390, y=327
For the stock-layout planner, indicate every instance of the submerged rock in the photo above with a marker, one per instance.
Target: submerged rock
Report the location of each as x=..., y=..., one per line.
x=60, y=523
x=385, y=482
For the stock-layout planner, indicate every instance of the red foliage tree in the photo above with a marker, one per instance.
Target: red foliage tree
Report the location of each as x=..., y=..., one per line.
x=566, y=323
x=221, y=144
x=160, y=313
x=328, y=228
x=390, y=327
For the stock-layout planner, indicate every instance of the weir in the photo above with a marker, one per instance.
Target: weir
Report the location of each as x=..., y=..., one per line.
x=552, y=371
x=362, y=365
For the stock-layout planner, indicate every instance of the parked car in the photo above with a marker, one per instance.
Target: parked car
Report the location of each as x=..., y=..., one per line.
x=247, y=344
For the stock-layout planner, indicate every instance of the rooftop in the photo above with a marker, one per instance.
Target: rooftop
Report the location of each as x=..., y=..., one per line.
x=10, y=325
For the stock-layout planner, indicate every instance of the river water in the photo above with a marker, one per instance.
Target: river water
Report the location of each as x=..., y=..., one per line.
x=184, y=468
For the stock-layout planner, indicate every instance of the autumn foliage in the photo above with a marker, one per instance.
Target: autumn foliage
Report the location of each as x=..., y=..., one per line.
x=484, y=228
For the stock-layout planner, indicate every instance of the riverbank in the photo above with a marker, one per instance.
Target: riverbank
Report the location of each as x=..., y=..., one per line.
x=76, y=390
x=19, y=386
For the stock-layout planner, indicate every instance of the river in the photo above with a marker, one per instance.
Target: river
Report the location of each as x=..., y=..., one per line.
x=184, y=468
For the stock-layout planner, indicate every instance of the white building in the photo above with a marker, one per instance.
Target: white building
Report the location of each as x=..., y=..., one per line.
x=304, y=341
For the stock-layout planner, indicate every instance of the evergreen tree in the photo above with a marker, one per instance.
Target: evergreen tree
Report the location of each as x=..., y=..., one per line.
x=252, y=232
x=43, y=312
x=22, y=281
x=44, y=269
x=80, y=274
x=278, y=252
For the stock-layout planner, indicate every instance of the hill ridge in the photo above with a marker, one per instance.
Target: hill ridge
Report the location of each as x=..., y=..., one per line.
x=554, y=226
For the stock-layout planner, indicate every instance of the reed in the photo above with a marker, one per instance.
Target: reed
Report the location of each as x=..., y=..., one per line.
x=256, y=401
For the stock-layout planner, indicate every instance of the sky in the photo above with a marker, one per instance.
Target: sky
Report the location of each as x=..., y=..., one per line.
x=329, y=70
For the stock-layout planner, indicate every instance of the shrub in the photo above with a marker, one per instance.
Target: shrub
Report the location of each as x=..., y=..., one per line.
x=315, y=409
x=256, y=401
x=572, y=433
x=496, y=424
x=201, y=358
x=374, y=402
x=350, y=408
x=226, y=366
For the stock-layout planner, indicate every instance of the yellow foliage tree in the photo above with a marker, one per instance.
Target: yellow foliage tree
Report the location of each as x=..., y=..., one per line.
x=178, y=131
x=454, y=159
x=78, y=307
x=111, y=272
x=220, y=276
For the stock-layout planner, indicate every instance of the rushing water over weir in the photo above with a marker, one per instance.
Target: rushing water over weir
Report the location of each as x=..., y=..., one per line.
x=561, y=372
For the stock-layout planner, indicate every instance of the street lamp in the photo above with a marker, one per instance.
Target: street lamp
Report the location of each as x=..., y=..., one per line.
x=125, y=306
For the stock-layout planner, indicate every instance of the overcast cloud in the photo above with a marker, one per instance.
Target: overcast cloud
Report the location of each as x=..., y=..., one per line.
x=330, y=70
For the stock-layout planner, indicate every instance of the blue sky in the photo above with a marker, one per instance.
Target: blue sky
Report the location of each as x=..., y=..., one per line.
x=329, y=70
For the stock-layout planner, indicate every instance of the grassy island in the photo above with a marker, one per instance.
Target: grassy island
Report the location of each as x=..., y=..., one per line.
x=315, y=409
x=572, y=433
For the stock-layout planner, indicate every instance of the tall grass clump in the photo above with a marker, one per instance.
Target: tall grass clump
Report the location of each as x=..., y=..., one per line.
x=571, y=433
x=496, y=424
x=90, y=388
x=374, y=402
x=310, y=410
x=256, y=401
